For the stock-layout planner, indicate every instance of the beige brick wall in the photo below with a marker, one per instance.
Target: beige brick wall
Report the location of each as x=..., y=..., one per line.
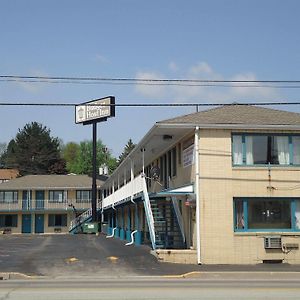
x=219, y=184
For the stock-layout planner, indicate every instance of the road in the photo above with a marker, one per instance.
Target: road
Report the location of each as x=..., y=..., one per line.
x=150, y=288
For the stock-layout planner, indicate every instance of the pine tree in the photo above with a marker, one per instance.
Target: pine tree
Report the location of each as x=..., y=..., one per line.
x=34, y=151
x=127, y=149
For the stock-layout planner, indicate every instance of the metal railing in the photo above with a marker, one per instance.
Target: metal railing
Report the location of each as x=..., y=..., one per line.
x=127, y=192
x=33, y=205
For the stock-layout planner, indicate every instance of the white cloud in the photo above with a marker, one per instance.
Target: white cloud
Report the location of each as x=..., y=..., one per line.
x=149, y=89
x=101, y=59
x=207, y=92
x=32, y=87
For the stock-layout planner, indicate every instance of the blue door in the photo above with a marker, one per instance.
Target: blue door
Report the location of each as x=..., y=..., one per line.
x=26, y=200
x=39, y=199
x=26, y=223
x=39, y=224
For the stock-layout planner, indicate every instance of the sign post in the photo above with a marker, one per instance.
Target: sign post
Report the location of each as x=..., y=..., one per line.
x=93, y=112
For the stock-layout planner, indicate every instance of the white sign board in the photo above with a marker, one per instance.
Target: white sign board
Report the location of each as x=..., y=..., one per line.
x=188, y=155
x=99, y=109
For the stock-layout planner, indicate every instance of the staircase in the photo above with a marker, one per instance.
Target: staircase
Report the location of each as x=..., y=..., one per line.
x=167, y=231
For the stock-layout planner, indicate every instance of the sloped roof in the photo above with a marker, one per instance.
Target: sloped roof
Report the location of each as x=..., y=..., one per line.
x=50, y=182
x=238, y=114
x=6, y=174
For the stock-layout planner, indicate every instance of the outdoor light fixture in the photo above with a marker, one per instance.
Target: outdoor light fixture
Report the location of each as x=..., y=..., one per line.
x=167, y=137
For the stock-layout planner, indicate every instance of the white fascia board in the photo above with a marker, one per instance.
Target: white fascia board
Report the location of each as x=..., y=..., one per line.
x=229, y=126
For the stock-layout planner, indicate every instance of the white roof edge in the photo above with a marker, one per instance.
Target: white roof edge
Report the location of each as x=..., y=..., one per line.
x=229, y=126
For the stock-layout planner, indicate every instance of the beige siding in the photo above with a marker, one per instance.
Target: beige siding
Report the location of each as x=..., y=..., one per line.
x=219, y=184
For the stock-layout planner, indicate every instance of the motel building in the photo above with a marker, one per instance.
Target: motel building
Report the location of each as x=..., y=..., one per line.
x=220, y=186
x=40, y=204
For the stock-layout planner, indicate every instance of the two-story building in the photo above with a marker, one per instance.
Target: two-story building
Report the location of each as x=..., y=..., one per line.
x=43, y=203
x=220, y=186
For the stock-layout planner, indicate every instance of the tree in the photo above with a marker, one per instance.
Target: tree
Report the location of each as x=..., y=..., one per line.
x=79, y=159
x=70, y=153
x=3, y=148
x=127, y=149
x=34, y=151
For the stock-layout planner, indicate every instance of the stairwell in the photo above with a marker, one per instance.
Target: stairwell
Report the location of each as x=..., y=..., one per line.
x=167, y=231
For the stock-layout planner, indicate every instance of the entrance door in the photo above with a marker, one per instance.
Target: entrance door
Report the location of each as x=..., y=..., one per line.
x=39, y=224
x=26, y=200
x=39, y=199
x=26, y=223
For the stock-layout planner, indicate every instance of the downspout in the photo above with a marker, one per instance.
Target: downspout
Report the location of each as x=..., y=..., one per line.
x=197, y=187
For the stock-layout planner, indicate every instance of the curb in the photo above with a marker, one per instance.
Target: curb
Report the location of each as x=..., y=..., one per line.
x=17, y=275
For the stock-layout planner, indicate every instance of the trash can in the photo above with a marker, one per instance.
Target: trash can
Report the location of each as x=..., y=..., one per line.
x=90, y=227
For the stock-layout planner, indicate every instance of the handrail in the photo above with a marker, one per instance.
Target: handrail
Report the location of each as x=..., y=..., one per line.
x=149, y=215
x=179, y=217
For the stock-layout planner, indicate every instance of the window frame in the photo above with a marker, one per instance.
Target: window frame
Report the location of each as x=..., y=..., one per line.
x=268, y=135
x=80, y=199
x=14, y=221
x=246, y=200
x=52, y=200
x=54, y=216
x=15, y=196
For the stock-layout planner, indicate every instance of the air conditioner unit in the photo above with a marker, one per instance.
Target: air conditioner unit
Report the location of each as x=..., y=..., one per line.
x=272, y=242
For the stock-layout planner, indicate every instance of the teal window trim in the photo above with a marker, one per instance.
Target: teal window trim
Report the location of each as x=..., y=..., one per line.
x=245, y=214
x=244, y=164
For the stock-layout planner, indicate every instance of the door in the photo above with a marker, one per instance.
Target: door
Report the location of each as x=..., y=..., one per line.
x=39, y=224
x=26, y=223
x=26, y=200
x=39, y=199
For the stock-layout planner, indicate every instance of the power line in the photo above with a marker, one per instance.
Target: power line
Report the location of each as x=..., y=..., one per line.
x=149, y=104
x=141, y=81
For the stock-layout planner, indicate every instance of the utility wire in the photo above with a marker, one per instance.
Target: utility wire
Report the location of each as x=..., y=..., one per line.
x=139, y=81
x=236, y=85
x=147, y=104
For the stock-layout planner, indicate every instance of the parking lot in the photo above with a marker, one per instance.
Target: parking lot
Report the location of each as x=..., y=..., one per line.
x=80, y=255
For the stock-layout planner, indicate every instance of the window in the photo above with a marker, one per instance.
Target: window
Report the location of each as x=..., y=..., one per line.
x=8, y=196
x=83, y=196
x=255, y=214
x=57, y=196
x=57, y=220
x=262, y=149
x=8, y=221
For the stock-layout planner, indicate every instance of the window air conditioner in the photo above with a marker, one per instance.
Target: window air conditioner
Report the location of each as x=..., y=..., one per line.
x=272, y=242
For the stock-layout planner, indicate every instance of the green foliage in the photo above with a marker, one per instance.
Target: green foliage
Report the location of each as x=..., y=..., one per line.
x=79, y=157
x=34, y=151
x=127, y=149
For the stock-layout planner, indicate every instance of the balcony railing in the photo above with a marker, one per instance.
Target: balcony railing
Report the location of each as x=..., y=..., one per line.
x=33, y=205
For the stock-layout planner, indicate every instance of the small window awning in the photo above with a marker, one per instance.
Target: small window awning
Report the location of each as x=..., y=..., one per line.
x=183, y=190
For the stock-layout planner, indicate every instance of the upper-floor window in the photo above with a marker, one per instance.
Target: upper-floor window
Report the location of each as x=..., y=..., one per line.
x=57, y=196
x=83, y=196
x=264, y=149
x=8, y=196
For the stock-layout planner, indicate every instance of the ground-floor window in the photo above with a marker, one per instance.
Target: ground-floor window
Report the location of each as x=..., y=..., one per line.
x=57, y=220
x=255, y=214
x=8, y=220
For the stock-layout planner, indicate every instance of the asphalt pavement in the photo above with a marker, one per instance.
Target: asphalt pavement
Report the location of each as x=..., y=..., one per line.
x=89, y=255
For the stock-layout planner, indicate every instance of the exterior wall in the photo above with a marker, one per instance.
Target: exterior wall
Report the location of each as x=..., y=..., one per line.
x=220, y=182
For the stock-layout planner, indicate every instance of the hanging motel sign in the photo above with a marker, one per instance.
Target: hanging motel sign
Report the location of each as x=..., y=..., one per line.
x=95, y=111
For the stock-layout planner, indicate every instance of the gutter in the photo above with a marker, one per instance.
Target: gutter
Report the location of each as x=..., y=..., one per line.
x=197, y=192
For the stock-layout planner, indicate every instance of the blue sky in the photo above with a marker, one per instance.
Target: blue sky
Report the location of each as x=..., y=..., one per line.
x=192, y=39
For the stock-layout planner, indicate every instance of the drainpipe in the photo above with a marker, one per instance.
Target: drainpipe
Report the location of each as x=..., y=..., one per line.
x=197, y=186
